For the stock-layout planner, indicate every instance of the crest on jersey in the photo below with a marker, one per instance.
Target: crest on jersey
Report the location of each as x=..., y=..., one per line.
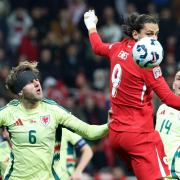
x=45, y=120
x=157, y=72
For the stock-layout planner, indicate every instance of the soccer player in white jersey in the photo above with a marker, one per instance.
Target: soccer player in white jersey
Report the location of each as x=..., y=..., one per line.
x=66, y=164
x=32, y=122
x=168, y=125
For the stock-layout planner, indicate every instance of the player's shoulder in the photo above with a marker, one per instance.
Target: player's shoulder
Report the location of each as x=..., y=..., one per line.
x=162, y=107
x=49, y=101
x=124, y=42
x=115, y=45
x=13, y=103
x=52, y=104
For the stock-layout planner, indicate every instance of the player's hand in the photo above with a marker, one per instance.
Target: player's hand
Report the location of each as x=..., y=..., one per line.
x=76, y=176
x=90, y=19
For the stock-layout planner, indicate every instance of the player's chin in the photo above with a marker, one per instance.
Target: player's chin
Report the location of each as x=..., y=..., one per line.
x=39, y=97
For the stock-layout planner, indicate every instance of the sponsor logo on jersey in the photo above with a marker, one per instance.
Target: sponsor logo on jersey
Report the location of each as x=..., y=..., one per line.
x=123, y=55
x=162, y=112
x=45, y=120
x=18, y=122
x=157, y=72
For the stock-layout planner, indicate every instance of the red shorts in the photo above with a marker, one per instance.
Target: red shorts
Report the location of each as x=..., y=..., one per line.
x=144, y=152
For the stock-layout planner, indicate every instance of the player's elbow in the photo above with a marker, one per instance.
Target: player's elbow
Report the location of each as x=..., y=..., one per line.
x=96, y=49
x=86, y=149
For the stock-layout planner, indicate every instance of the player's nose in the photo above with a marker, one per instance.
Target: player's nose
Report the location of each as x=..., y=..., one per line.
x=36, y=82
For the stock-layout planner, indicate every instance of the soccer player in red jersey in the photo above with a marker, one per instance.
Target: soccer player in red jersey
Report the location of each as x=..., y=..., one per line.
x=132, y=132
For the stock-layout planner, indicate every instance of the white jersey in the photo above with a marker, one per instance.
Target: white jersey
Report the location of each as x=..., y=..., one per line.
x=168, y=125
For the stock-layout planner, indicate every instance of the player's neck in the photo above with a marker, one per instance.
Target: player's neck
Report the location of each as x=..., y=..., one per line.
x=30, y=105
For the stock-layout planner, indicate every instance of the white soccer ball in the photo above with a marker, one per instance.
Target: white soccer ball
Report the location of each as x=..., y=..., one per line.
x=147, y=52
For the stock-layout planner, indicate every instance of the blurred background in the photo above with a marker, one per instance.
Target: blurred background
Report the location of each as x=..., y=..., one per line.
x=52, y=32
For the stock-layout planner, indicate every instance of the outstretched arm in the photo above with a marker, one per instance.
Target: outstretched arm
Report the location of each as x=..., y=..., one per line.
x=91, y=132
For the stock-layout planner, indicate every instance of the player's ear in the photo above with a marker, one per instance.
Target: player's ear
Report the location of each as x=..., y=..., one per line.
x=135, y=35
x=173, y=86
x=20, y=93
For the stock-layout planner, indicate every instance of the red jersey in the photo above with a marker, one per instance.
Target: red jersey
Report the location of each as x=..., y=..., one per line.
x=131, y=87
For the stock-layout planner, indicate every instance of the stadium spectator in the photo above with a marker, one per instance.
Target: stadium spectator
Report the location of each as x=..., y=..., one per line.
x=40, y=18
x=71, y=63
x=19, y=22
x=76, y=10
x=110, y=30
x=63, y=26
x=29, y=47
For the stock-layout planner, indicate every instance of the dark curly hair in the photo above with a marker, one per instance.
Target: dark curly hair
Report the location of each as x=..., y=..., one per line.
x=136, y=22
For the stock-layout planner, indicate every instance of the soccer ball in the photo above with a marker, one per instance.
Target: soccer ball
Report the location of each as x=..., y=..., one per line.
x=147, y=52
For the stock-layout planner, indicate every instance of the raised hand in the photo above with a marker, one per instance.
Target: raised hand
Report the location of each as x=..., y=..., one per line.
x=90, y=19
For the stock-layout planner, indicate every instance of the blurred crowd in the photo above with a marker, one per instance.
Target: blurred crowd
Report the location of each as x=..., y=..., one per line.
x=52, y=32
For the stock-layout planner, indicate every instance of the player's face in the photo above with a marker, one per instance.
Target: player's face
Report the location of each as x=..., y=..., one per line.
x=176, y=84
x=32, y=92
x=150, y=30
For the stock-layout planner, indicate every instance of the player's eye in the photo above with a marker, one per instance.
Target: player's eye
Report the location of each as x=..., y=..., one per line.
x=149, y=34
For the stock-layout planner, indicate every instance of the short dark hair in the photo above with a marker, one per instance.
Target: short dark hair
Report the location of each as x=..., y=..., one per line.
x=136, y=22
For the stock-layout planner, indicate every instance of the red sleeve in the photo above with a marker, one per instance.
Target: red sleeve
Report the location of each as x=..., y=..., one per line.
x=154, y=79
x=98, y=46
